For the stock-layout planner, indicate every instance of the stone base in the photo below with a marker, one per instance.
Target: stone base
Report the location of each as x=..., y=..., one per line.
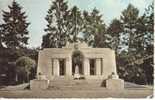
x=39, y=84
x=115, y=84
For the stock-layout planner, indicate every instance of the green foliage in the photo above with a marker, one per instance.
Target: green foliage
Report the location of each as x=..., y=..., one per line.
x=7, y=59
x=129, y=19
x=26, y=62
x=13, y=40
x=94, y=29
x=114, y=33
x=75, y=24
x=131, y=37
x=14, y=29
x=66, y=25
x=57, y=25
x=24, y=66
x=131, y=70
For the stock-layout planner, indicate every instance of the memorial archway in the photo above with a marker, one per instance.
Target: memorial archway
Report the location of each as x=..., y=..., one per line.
x=77, y=59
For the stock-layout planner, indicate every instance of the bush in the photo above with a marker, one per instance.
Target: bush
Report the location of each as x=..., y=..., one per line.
x=25, y=67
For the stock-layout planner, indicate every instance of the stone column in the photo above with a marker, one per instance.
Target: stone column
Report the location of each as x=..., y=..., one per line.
x=68, y=67
x=86, y=67
x=49, y=69
x=98, y=66
x=56, y=67
x=102, y=66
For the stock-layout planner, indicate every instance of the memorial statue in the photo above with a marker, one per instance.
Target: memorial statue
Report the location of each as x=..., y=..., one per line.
x=76, y=74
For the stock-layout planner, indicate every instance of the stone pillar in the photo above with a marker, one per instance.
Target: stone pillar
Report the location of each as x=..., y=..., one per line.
x=98, y=66
x=56, y=67
x=86, y=67
x=49, y=69
x=68, y=67
x=102, y=66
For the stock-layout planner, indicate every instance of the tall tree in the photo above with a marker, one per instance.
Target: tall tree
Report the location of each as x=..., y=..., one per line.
x=148, y=19
x=94, y=28
x=15, y=27
x=139, y=59
x=149, y=16
x=114, y=33
x=129, y=19
x=1, y=37
x=75, y=25
x=56, y=27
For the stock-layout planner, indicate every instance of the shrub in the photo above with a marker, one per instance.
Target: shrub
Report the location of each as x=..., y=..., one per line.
x=24, y=65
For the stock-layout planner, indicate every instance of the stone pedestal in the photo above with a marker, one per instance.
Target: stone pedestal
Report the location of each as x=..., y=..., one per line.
x=39, y=84
x=115, y=84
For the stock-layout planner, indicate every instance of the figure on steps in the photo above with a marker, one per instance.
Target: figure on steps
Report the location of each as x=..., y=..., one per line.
x=76, y=74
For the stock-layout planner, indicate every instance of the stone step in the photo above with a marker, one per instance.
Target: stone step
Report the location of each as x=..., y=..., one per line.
x=77, y=87
x=75, y=82
x=66, y=82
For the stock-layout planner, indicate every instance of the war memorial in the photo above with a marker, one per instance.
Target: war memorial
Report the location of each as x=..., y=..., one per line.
x=76, y=61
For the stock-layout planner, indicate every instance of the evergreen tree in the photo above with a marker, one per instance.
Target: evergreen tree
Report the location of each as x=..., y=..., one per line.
x=15, y=27
x=114, y=33
x=137, y=65
x=129, y=19
x=75, y=25
x=57, y=25
x=94, y=29
x=1, y=37
x=149, y=17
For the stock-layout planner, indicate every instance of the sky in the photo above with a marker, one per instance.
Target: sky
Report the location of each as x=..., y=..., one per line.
x=36, y=10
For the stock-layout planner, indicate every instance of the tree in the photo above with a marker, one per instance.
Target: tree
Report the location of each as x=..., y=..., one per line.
x=15, y=27
x=75, y=24
x=129, y=19
x=1, y=37
x=137, y=64
x=114, y=33
x=149, y=17
x=147, y=66
x=57, y=25
x=47, y=42
x=24, y=67
x=94, y=29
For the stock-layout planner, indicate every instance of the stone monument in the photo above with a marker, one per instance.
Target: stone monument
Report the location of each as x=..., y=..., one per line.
x=94, y=63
